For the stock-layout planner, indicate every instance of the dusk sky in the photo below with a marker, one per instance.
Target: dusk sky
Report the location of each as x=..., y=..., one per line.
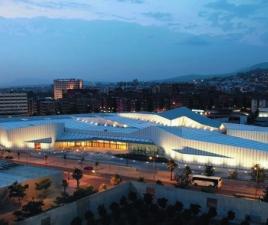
x=111, y=40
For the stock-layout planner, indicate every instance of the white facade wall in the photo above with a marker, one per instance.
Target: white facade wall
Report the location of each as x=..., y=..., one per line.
x=251, y=135
x=18, y=138
x=234, y=156
x=3, y=137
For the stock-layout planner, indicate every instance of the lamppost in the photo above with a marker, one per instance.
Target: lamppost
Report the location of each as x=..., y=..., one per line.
x=153, y=158
x=257, y=179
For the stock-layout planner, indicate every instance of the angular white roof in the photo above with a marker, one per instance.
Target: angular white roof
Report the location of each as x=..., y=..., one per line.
x=185, y=112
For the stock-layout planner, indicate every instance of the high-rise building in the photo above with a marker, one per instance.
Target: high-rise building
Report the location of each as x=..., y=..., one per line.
x=63, y=85
x=13, y=104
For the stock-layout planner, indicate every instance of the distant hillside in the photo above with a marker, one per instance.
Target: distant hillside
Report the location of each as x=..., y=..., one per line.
x=193, y=77
x=254, y=80
x=263, y=65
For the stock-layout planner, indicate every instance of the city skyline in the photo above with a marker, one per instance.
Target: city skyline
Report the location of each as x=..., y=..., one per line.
x=124, y=40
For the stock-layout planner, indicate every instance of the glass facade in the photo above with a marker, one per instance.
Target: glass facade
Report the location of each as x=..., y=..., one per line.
x=92, y=144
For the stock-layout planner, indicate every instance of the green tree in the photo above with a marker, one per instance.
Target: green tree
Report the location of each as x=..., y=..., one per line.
x=212, y=212
x=90, y=218
x=123, y=201
x=115, y=179
x=231, y=215
x=171, y=165
x=184, y=180
x=30, y=209
x=102, y=211
x=148, y=198
x=233, y=174
x=187, y=171
x=3, y=222
x=162, y=202
x=265, y=196
x=17, y=191
x=209, y=170
x=83, y=192
x=76, y=221
x=178, y=206
x=258, y=173
x=77, y=175
x=132, y=196
x=42, y=187
x=195, y=209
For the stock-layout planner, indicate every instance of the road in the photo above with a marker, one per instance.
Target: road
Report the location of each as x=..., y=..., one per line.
x=109, y=165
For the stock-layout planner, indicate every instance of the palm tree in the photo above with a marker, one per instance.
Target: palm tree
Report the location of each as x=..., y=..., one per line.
x=171, y=165
x=257, y=173
x=77, y=175
x=209, y=170
x=64, y=185
x=45, y=158
x=18, y=155
x=18, y=191
x=187, y=171
x=96, y=165
x=265, y=196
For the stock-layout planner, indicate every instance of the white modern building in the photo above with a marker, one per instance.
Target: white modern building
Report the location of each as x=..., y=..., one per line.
x=179, y=133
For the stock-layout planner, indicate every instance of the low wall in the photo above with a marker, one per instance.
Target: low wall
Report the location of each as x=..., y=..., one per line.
x=63, y=215
x=257, y=210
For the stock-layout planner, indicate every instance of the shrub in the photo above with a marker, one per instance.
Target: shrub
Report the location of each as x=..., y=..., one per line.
x=233, y=174
x=76, y=221
x=159, y=182
x=102, y=187
x=115, y=179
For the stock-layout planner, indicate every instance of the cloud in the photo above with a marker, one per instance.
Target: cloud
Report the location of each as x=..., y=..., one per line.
x=245, y=18
x=159, y=16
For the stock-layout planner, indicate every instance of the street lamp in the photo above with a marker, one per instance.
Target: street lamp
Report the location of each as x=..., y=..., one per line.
x=153, y=158
x=257, y=179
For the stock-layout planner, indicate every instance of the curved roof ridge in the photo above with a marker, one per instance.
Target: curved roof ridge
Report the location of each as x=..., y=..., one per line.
x=184, y=111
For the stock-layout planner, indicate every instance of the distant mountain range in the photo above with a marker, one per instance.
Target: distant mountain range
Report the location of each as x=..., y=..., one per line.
x=31, y=82
x=193, y=77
